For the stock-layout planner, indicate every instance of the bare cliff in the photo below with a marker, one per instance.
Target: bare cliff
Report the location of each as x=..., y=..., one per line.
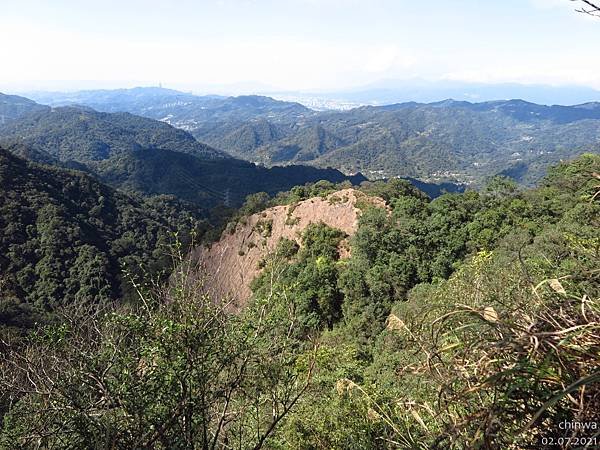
x=229, y=265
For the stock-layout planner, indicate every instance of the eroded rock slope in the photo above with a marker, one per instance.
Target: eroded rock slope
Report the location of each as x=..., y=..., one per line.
x=229, y=265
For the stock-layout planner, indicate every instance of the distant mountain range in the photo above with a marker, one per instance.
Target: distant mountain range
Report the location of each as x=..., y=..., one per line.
x=147, y=156
x=447, y=140
x=185, y=110
x=456, y=141
x=13, y=106
x=387, y=92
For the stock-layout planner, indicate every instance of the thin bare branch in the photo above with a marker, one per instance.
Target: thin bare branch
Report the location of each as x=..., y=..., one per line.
x=590, y=8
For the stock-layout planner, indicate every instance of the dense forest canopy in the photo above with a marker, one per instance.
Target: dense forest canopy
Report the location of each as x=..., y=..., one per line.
x=468, y=321
x=65, y=238
x=213, y=272
x=150, y=157
x=442, y=141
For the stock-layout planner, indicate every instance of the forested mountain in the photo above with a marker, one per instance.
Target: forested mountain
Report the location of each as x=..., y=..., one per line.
x=148, y=156
x=13, y=106
x=84, y=135
x=445, y=314
x=442, y=141
x=468, y=321
x=66, y=238
x=181, y=109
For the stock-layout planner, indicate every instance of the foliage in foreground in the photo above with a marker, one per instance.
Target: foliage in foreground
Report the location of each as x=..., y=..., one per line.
x=179, y=372
x=66, y=238
x=470, y=321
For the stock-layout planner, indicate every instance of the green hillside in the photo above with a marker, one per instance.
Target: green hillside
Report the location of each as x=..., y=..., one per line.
x=66, y=238
x=13, y=107
x=146, y=156
x=468, y=321
x=449, y=141
x=84, y=135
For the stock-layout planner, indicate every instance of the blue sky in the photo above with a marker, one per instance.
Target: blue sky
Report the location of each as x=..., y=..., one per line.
x=202, y=45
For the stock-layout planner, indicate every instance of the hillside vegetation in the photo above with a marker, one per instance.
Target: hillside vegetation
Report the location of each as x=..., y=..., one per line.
x=13, y=107
x=141, y=155
x=457, y=141
x=468, y=321
x=67, y=239
x=442, y=141
x=229, y=265
x=84, y=135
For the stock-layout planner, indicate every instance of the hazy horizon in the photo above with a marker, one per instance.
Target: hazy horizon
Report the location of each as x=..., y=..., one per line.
x=256, y=88
x=245, y=46
x=384, y=92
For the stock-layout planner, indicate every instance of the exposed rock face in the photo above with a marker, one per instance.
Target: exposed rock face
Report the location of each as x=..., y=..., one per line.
x=230, y=265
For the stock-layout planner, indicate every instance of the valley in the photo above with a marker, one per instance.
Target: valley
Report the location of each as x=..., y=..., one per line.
x=142, y=155
x=448, y=141
x=300, y=225
x=312, y=308
x=174, y=247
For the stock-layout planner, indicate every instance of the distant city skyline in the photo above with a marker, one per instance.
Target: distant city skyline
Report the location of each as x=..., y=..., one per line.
x=243, y=46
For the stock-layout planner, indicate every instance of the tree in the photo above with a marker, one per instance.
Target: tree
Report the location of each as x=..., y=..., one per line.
x=177, y=372
x=588, y=7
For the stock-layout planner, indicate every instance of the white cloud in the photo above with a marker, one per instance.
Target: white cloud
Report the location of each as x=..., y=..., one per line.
x=281, y=62
x=299, y=44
